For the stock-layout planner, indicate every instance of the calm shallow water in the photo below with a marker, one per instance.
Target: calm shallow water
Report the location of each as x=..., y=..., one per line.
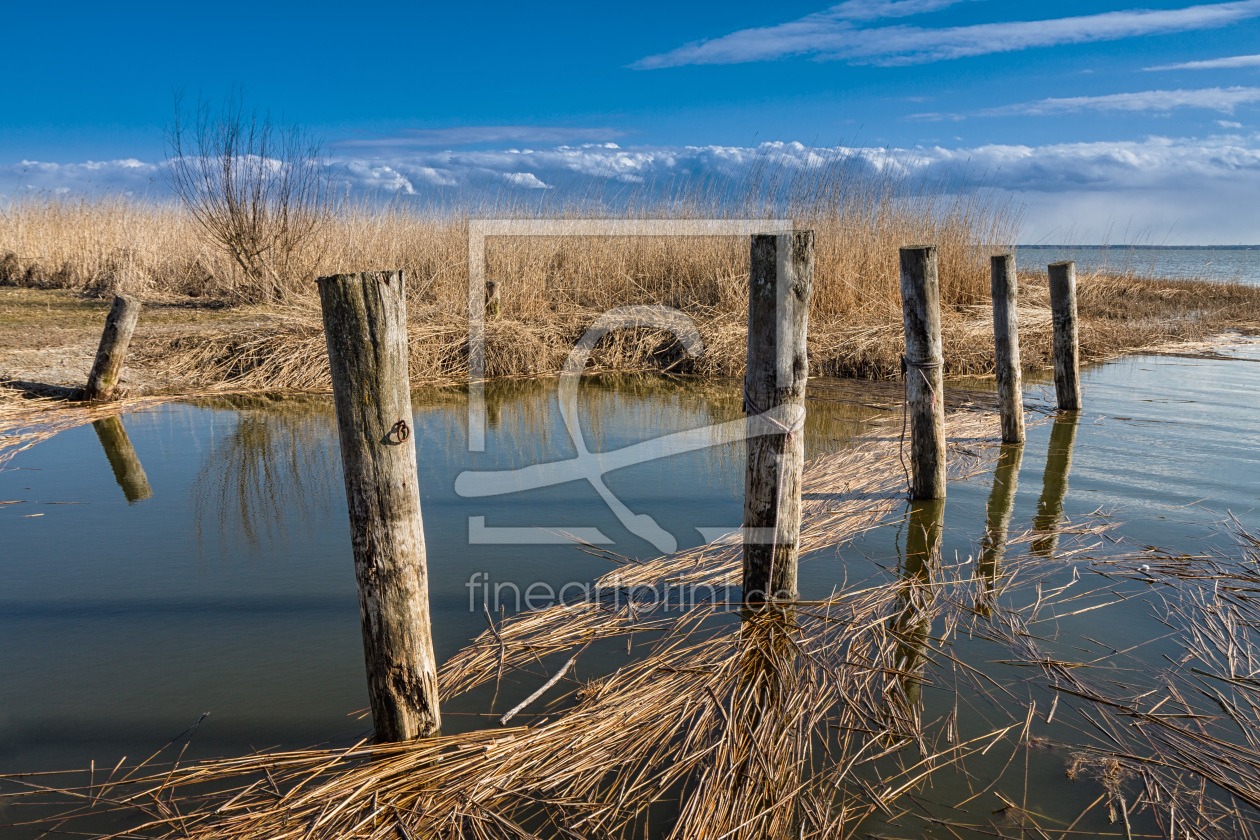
x=230, y=590
x=1232, y=264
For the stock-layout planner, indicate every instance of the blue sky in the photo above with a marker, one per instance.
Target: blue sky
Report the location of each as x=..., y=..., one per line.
x=1112, y=120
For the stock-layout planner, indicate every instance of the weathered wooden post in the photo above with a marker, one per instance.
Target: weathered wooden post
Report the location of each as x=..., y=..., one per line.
x=781, y=283
x=102, y=383
x=1004, y=286
x=365, y=323
x=128, y=471
x=1054, y=485
x=921, y=309
x=492, y=299
x=1067, y=366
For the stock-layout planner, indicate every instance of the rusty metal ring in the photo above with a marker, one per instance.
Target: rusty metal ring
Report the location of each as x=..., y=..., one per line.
x=402, y=430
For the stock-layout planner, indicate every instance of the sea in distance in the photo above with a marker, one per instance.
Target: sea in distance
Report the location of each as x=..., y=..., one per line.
x=1237, y=263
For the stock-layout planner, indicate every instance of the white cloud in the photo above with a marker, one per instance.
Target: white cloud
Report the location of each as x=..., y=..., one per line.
x=1228, y=124
x=827, y=35
x=126, y=175
x=1201, y=189
x=1212, y=99
x=880, y=9
x=525, y=179
x=1230, y=63
x=367, y=176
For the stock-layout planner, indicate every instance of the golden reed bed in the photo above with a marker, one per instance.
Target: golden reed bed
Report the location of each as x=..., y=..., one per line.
x=553, y=288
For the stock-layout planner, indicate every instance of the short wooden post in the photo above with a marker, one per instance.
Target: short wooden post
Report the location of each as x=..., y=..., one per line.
x=128, y=471
x=1067, y=366
x=492, y=299
x=781, y=283
x=1054, y=485
x=1004, y=286
x=921, y=309
x=365, y=323
x=102, y=383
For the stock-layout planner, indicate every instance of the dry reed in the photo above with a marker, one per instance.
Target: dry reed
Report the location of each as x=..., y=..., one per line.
x=553, y=288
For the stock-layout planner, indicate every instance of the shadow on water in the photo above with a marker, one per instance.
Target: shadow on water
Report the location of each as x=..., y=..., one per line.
x=1055, y=485
x=128, y=471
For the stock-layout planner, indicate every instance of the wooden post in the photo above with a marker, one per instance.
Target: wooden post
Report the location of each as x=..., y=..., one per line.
x=1067, y=366
x=921, y=309
x=102, y=383
x=492, y=299
x=1054, y=485
x=365, y=323
x=128, y=471
x=781, y=283
x=1005, y=290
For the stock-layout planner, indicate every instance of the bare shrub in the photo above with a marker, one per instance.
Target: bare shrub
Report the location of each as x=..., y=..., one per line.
x=257, y=188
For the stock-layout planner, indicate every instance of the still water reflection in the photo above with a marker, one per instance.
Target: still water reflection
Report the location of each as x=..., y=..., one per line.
x=219, y=579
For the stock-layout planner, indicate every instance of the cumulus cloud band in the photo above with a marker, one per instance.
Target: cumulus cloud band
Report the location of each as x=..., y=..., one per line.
x=1182, y=182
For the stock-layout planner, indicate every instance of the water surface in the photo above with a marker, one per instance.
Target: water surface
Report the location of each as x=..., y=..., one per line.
x=1235, y=264
x=195, y=557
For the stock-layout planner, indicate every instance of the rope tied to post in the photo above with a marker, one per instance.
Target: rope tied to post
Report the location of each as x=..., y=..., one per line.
x=751, y=409
x=906, y=364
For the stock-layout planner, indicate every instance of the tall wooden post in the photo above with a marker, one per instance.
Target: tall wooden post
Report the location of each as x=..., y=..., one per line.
x=1004, y=286
x=102, y=383
x=365, y=323
x=1067, y=366
x=128, y=471
x=780, y=286
x=921, y=309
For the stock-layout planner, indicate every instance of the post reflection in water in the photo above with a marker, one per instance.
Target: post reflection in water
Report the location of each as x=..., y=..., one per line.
x=128, y=471
x=1055, y=485
x=998, y=520
x=913, y=624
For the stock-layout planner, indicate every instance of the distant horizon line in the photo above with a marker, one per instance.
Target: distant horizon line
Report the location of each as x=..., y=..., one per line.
x=1143, y=247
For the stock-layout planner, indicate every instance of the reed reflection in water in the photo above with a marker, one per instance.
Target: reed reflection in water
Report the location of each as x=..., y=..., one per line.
x=278, y=463
x=279, y=466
